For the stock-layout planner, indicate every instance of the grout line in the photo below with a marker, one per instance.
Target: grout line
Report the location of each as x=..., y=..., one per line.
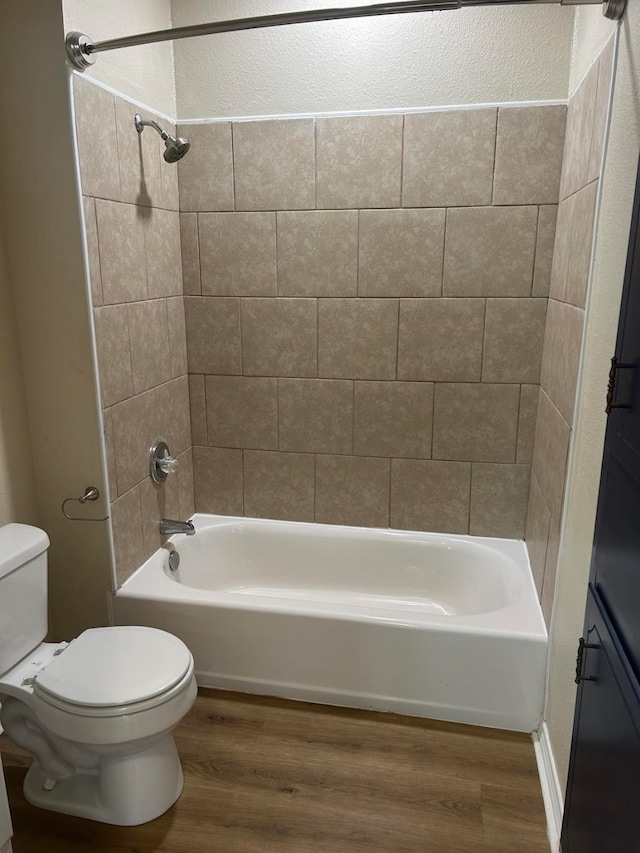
x=278, y=379
x=397, y=338
x=433, y=415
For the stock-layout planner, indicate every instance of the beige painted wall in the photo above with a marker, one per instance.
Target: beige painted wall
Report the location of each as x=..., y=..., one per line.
x=17, y=488
x=590, y=32
x=144, y=73
x=427, y=59
x=612, y=236
x=42, y=230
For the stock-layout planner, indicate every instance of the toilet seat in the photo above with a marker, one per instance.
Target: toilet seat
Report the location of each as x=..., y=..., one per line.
x=110, y=671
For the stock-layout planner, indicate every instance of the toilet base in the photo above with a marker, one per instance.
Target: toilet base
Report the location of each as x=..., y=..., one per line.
x=124, y=790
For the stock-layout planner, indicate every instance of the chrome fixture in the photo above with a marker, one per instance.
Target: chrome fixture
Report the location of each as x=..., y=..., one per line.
x=175, y=148
x=161, y=462
x=168, y=527
x=174, y=559
x=90, y=494
x=81, y=51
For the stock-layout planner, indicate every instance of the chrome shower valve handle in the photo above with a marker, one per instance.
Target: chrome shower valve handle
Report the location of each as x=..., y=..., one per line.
x=161, y=462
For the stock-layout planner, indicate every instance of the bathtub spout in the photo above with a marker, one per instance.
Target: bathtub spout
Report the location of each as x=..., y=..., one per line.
x=169, y=526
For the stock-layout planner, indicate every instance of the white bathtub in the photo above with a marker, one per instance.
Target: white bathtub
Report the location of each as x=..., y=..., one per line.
x=428, y=624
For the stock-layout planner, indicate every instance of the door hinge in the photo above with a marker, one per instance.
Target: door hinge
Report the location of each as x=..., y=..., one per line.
x=611, y=387
x=580, y=659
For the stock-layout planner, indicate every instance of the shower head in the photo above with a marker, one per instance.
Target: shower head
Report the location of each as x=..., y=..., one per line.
x=174, y=148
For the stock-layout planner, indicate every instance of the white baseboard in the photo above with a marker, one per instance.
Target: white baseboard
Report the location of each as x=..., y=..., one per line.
x=550, y=784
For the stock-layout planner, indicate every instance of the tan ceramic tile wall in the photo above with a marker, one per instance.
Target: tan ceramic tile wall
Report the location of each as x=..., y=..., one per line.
x=133, y=229
x=365, y=314
x=586, y=124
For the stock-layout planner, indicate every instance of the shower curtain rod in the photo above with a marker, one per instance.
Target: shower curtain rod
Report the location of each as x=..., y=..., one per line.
x=81, y=51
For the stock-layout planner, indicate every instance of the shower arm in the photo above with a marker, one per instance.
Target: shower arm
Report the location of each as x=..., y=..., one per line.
x=81, y=51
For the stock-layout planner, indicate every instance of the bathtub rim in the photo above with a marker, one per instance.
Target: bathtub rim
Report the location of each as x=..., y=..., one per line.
x=522, y=617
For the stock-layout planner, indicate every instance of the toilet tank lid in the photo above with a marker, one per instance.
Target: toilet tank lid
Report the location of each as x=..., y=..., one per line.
x=20, y=543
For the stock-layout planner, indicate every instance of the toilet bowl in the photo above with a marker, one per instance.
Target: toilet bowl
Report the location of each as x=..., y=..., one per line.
x=96, y=713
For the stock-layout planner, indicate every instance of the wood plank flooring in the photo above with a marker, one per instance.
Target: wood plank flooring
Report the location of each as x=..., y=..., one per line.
x=265, y=775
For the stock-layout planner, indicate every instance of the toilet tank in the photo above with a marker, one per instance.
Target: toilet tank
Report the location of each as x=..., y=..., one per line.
x=23, y=591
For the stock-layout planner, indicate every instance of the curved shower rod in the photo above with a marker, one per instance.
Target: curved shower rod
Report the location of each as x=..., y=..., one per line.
x=81, y=51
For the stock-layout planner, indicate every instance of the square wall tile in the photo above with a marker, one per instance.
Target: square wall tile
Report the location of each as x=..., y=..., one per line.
x=529, y=148
x=169, y=173
x=237, y=254
x=138, y=157
x=550, y=451
x=131, y=440
x=547, y=216
x=157, y=501
x=122, y=251
x=352, y=490
x=440, y=340
x=114, y=360
x=213, y=334
x=274, y=163
x=279, y=485
x=186, y=497
x=401, y=252
x=605, y=74
x=489, y=251
x=150, y=354
x=93, y=252
x=177, y=336
x=475, y=423
x=126, y=522
x=561, y=360
x=163, y=252
x=318, y=253
x=577, y=145
x=448, y=158
x=513, y=340
x=359, y=161
x=217, y=477
x=527, y=422
x=315, y=415
x=499, y=498
x=110, y=453
x=96, y=131
x=198, y=409
x=279, y=337
x=580, y=244
x=430, y=495
x=170, y=416
x=242, y=412
x=562, y=250
x=190, y=251
x=550, y=571
x=357, y=338
x=205, y=175
x=393, y=419
x=537, y=532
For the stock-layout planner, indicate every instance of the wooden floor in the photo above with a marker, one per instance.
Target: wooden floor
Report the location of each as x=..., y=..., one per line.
x=264, y=775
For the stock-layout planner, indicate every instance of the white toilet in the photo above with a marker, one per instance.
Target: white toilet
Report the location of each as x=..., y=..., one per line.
x=96, y=713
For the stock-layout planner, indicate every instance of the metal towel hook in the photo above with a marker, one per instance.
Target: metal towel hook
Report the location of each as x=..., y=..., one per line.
x=90, y=494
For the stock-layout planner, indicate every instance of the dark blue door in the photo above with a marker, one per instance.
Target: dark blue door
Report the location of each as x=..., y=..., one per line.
x=602, y=803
